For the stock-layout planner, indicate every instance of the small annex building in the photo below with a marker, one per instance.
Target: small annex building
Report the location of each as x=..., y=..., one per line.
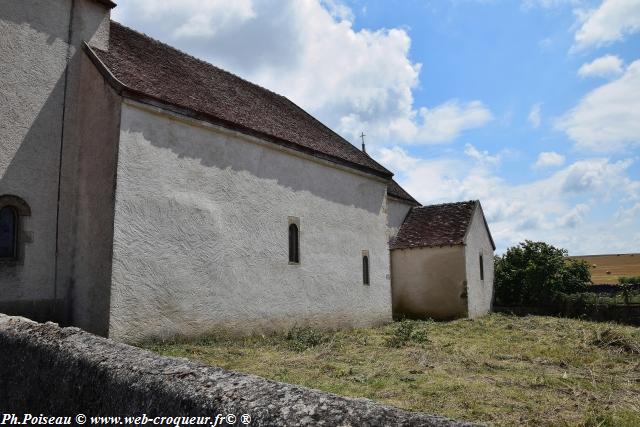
x=442, y=262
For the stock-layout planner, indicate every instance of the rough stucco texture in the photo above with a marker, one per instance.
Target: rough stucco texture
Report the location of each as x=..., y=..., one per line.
x=429, y=282
x=33, y=51
x=34, y=48
x=480, y=291
x=200, y=235
x=54, y=371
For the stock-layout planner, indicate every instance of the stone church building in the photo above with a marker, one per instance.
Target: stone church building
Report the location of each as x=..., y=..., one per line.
x=145, y=193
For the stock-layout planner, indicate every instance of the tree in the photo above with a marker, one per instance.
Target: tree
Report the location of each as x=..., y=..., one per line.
x=534, y=272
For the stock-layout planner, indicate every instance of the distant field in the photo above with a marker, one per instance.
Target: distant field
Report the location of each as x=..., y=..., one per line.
x=616, y=265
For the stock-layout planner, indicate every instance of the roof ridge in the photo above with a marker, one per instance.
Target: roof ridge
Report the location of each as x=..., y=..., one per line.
x=446, y=204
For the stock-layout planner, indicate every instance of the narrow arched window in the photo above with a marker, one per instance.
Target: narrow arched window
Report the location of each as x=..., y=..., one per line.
x=8, y=232
x=294, y=244
x=365, y=269
x=481, y=267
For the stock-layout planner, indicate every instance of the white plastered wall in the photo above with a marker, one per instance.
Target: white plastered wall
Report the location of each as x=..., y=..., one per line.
x=37, y=38
x=397, y=211
x=200, y=234
x=429, y=282
x=478, y=242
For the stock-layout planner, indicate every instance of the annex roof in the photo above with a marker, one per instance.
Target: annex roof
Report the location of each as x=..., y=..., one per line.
x=437, y=225
x=148, y=70
x=395, y=190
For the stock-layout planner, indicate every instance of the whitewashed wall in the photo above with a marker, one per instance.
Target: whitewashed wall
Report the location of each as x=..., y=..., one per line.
x=478, y=242
x=397, y=211
x=34, y=49
x=200, y=234
x=429, y=282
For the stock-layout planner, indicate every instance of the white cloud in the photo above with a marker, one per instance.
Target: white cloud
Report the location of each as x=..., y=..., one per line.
x=482, y=157
x=607, y=118
x=610, y=22
x=534, y=115
x=445, y=122
x=549, y=159
x=309, y=51
x=396, y=159
x=555, y=209
x=605, y=66
x=628, y=215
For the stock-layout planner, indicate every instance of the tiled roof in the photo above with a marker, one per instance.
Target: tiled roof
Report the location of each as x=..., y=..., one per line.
x=394, y=190
x=107, y=3
x=150, y=69
x=435, y=225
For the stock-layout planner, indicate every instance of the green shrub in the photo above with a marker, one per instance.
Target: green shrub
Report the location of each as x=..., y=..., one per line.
x=302, y=338
x=533, y=272
x=632, y=280
x=405, y=332
x=626, y=289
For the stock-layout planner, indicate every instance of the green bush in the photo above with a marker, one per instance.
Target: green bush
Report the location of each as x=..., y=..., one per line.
x=406, y=332
x=633, y=280
x=533, y=272
x=626, y=291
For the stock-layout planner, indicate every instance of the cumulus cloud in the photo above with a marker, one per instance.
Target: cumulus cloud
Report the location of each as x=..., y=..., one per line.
x=607, y=118
x=549, y=159
x=396, y=159
x=556, y=209
x=613, y=20
x=605, y=66
x=482, y=157
x=534, y=115
x=309, y=51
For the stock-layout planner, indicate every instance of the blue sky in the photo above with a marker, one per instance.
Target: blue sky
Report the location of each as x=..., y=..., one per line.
x=531, y=106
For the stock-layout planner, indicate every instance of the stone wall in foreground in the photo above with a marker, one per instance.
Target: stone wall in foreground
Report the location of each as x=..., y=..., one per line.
x=45, y=369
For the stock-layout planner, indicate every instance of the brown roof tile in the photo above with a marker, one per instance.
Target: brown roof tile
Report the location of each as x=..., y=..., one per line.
x=395, y=190
x=435, y=225
x=148, y=67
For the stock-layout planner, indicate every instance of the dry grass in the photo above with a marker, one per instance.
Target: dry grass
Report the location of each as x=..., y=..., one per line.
x=618, y=265
x=499, y=370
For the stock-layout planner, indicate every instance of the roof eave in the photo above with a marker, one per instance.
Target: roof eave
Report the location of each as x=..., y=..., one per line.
x=107, y=3
x=405, y=200
x=127, y=92
x=426, y=246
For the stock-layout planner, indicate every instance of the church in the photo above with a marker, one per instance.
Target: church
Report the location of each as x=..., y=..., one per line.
x=146, y=194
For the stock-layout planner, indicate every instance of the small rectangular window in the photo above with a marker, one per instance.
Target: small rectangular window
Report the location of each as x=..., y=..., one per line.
x=294, y=240
x=365, y=267
x=481, y=268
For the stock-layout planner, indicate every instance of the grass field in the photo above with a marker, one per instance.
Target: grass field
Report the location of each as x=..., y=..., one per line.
x=617, y=265
x=499, y=370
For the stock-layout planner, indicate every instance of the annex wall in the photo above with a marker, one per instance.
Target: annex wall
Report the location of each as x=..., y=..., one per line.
x=397, y=211
x=429, y=282
x=64, y=372
x=34, y=49
x=201, y=234
x=478, y=242
x=88, y=197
